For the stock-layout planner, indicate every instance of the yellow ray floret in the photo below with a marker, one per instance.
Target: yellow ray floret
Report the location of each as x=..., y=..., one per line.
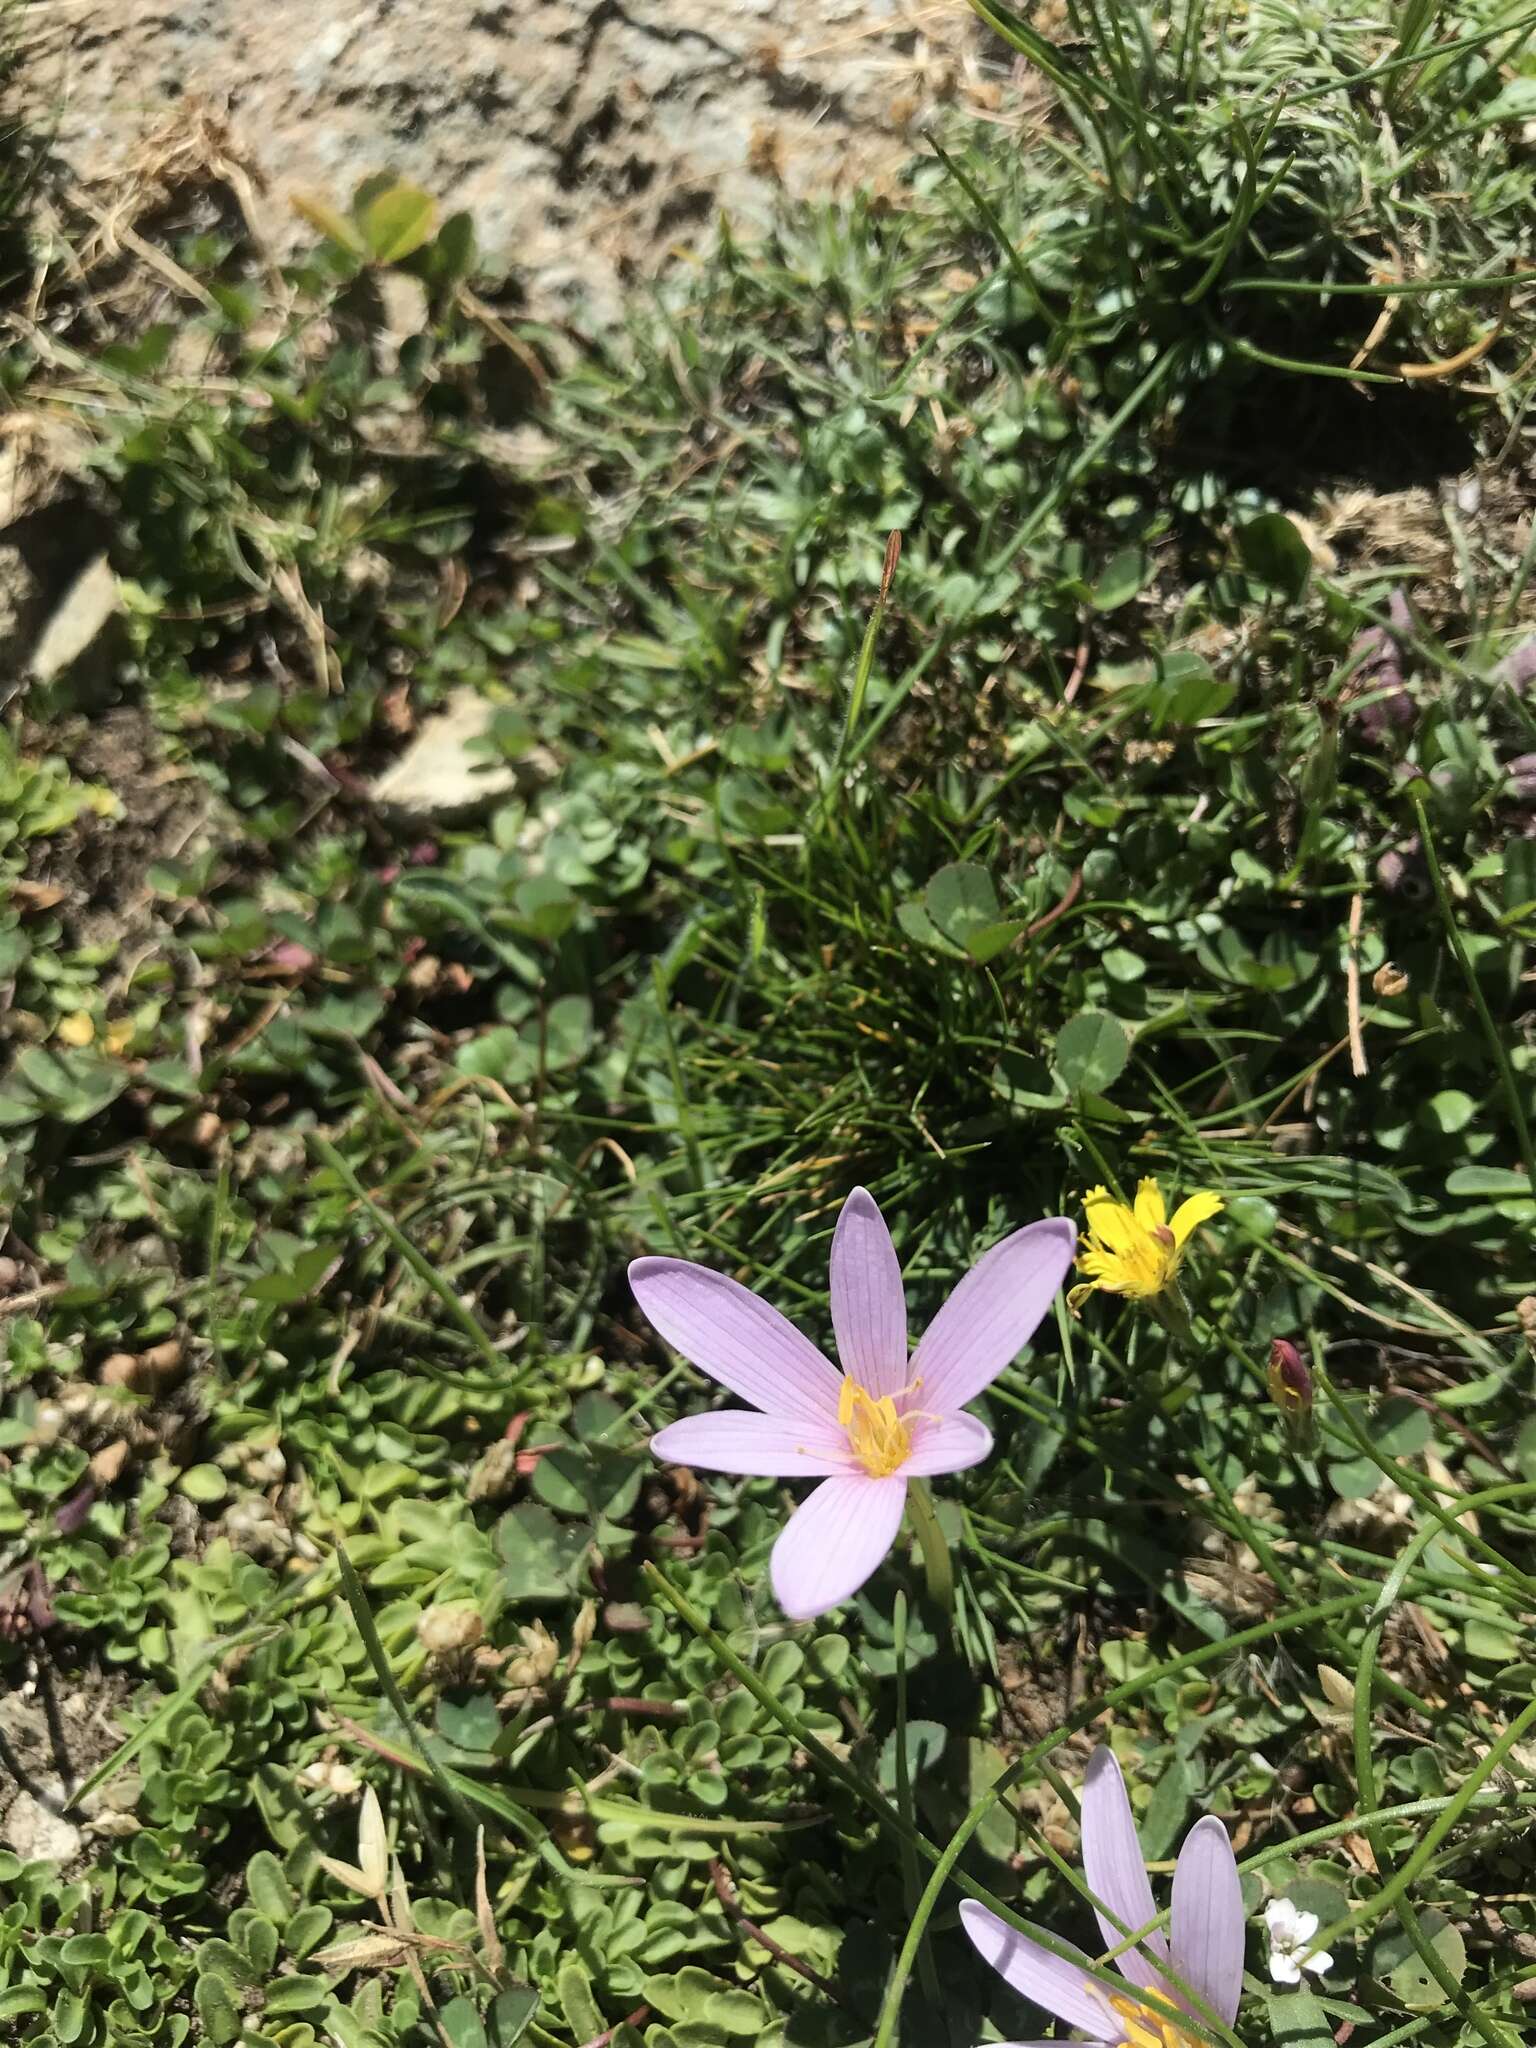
x=1137, y=1249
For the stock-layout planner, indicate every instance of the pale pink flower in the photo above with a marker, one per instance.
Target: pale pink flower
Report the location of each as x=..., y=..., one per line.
x=1203, y=1947
x=864, y=1431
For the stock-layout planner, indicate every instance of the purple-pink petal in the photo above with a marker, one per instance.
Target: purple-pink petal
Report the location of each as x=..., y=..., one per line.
x=1207, y=1918
x=992, y=1314
x=738, y=1440
x=1117, y=1872
x=736, y=1338
x=948, y=1444
x=869, y=1306
x=833, y=1541
x=1063, y=1987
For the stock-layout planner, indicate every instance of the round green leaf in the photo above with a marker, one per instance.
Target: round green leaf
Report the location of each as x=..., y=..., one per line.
x=1274, y=552
x=1091, y=1052
x=205, y=1484
x=1123, y=576
x=1396, y=1963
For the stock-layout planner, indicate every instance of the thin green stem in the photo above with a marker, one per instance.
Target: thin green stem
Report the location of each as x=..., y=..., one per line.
x=1041, y=511
x=911, y=1887
x=675, y=1071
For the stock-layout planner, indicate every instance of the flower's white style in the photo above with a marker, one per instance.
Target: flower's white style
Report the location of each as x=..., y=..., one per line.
x=1290, y=1930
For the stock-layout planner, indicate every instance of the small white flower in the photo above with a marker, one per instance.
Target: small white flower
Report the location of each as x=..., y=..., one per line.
x=1289, y=1932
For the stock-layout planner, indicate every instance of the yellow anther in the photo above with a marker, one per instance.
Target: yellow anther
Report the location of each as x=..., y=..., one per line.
x=1140, y=2027
x=877, y=1435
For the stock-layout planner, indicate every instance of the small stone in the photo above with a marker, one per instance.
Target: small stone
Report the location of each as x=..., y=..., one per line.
x=254, y=1526
x=162, y=1363
x=118, y=1795
x=120, y=1370
x=444, y=770
x=265, y=1466
x=108, y=1464
x=88, y=1408
x=77, y=620
x=47, y=1423
x=152, y=1372
x=36, y=1833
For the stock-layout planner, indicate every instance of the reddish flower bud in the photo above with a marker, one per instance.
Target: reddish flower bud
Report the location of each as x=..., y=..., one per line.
x=1290, y=1383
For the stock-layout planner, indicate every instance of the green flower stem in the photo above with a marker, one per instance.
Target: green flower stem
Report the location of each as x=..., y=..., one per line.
x=1172, y=1311
x=1491, y=1032
x=911, y=1887
x=1408, y=2031
x=938, y=1566
x=1409, y=1809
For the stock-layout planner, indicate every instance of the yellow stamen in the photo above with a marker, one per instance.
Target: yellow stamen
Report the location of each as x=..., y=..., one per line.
x=1143, y=2028
x=877, y=1435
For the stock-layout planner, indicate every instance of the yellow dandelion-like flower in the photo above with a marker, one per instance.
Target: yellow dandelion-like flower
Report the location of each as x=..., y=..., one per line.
x=1137, y=1250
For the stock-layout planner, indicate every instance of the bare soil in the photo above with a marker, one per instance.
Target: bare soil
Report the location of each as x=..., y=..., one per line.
x=56, y=1726
x=590, y=138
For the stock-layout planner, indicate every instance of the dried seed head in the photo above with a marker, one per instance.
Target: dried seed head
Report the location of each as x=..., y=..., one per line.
x=496, y=1474
x=370, y=1874
x=444, y=1631
x=536, y=1663
x=581, y=1630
